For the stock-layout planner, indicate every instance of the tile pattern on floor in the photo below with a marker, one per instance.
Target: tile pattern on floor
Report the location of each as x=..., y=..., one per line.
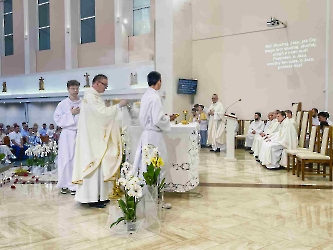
x=209, y=217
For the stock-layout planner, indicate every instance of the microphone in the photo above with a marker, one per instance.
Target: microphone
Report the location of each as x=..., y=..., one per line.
x=232, y=105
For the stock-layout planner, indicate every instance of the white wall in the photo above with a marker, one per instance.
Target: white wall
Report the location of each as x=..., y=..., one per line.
x=11, y=113
x=41, y=113
x=27, y=86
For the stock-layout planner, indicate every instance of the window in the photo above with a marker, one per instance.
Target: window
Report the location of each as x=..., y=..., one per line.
x=141, y=17
x=8, y=27
x=44, y=24
x=87, y=14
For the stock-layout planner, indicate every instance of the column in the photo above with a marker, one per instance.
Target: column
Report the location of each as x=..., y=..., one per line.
x=72, y=22
x=164, y=50
x=30, y=35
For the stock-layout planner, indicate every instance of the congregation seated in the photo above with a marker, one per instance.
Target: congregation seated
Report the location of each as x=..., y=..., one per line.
x=4, y=149
x=43, y=130
x=324, y=117
x=256, y=127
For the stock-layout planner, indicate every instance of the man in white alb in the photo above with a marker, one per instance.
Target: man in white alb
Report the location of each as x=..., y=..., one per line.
x=289, y=115
x=98, y=151
x=66, y=116
x=256, y=127
x=268, y=132
x=315, y=120
x=272, y=153
x=153, y=122
x=216, y=129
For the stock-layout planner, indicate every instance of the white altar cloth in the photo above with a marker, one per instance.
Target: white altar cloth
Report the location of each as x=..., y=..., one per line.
x=183, y=155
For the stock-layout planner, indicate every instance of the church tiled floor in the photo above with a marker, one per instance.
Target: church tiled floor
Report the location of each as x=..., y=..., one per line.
x=210, y=217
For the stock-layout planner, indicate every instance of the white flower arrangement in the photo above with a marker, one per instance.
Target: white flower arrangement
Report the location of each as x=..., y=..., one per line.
x=130, y=182
x=38, y=153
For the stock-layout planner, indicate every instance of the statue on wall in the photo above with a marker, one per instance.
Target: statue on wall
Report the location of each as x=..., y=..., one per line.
x=87, y=81
x=41, y=84
x=134, y=79
x=4, y=87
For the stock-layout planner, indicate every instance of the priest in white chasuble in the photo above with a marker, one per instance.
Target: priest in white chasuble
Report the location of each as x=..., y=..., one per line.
x=153, y=122
x=256, y=127
x=98, y=151
x=216, y=129
x=272, y=154
x=269, y=131
x=66, y=116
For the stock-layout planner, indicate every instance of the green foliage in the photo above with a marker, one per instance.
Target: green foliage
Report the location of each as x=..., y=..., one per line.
x=2, y=156
x=128, y=206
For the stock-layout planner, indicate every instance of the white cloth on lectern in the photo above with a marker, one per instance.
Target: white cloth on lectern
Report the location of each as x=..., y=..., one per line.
x=272, y=151
x=153, y=122
x=258, y=127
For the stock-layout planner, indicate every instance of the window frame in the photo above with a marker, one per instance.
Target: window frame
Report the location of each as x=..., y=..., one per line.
x=86, y=18
x=7, y=35
x=136, y=9
x=44, y=27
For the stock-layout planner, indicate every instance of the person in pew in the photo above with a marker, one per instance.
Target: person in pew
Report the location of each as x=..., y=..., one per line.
x=50, y=132
x=272, y=154
x=4, y=149
x=289, y=115
x=323, y=117
x=66, y=115
x=256, y=127
x=315, y=120
x=16, y=142
x=24, y=131
x=270, y=130
x=43, y=130
x=202, y=120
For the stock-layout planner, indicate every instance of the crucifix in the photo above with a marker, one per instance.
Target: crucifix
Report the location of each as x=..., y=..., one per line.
x=4, y=87
x=87, y=81
x=41, y=84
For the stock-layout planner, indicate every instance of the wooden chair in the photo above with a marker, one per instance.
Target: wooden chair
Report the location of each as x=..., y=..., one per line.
x=45, y=139
x=291, y=154
x=298, y=120
x=319, y=158
x=6, y=141
x=243, y=131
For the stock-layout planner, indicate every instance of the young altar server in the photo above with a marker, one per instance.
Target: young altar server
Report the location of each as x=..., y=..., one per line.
x=202, y=119
x=153, y=122
x=66, y=116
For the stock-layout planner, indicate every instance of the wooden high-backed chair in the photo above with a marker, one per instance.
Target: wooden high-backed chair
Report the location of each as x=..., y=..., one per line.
x=323, y=158
x=291, y=154
x=243, y=131
x=298, y=120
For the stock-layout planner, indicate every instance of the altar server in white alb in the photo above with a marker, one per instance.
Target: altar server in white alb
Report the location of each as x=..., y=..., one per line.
x=256, y=127
x=66, y=116
x=98, y=150
x=153, y=122
x=216, y=129
x=289, y=115
x=272, y=154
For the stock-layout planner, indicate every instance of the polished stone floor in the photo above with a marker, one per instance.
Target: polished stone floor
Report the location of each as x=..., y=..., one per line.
x=212, y=216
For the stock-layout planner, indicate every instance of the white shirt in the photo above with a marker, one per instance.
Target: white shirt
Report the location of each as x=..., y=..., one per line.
x=50, y=132
x=315, y=121
x=16, y=137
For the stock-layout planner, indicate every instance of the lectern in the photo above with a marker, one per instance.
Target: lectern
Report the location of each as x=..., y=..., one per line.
x=231, y=125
